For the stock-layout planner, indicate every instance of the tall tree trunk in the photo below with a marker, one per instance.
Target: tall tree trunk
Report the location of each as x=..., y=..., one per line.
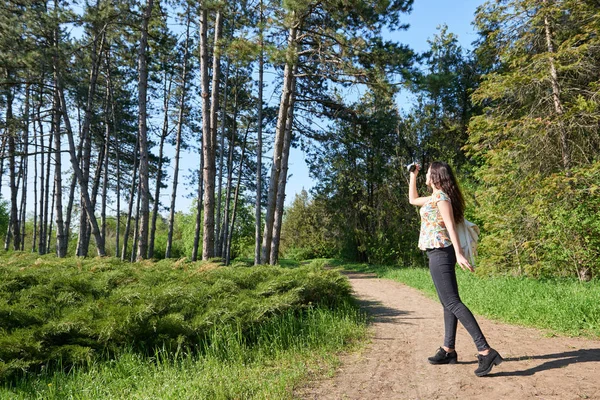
x=257, y=210
x=131, y=200
x=117, y=150
x=556, y=93
x=288, y=77
x=209, y=129
x=79, y=174
x=86, y=138
x=231, y=146
x=42, y=231
x=229, y=237
x=163, y=137
x=207, y=145
x=142, y=250
x=47, y=221
x=25, y=167
x=14, y=230
x=105, y=164
x=49, y=237
x=178, y=139
x=61, y=240
x=136, y=231
x=198, y=209
x=280, y=203
x=35, y=190
x=221, y=157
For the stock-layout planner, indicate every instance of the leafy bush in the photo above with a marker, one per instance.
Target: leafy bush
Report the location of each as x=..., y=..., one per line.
x=71, y=311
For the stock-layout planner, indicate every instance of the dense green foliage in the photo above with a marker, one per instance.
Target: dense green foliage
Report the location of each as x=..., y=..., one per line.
x=289, y=349
x=73, y=311
x=515, y=300
x=517, y=118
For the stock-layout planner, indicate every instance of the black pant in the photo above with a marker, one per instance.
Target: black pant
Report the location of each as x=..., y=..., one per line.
x=442, y=264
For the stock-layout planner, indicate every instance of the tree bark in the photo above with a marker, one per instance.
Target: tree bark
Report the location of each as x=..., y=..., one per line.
x=199, y=208
x=86, y=139
x=221, y=157
x=163, y=137
x=280, y=203
x=61, y=240
x=178, y=139
x=142, y=250
x=278, y=146
x=25, y=166
x=14, y=232
x=235, y=200
x=225, y=233
x=556, y=93
x=258, y=205
x=131, y=200
x=209, y=129
x=79, y=174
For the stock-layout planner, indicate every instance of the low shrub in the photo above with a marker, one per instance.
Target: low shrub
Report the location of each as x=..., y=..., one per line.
x=72, y=311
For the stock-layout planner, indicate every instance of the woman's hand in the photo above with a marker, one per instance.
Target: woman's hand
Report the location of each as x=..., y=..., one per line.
x=464, y=263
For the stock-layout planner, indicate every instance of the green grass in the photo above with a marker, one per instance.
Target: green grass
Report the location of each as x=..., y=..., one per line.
x=102, y=329
x=561, y=306
x=289, y=350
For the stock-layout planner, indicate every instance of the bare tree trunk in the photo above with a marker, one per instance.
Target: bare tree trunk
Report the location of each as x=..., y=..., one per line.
x=117, y=150
x=131, y=199
x=24, y=167
x=257, y=211
x=14, y=230
x=178, y=139
x=209, y=124
x=229, y=237
x=142, y=250
x=61, y=240
x=79, y=174
x=280, y=204
x=163, y=137
x=221, y=157
x=132, y=258
x=43, y=192
x=225, y=234
x=47, y=221
x=277, y=150
x=49, y=237
x=198, y=210
x=105, y=165
x=86, y=138
x=35, y=190
x=556, y=94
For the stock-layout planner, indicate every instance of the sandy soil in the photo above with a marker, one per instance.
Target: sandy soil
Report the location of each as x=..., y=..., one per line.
x=408, y=328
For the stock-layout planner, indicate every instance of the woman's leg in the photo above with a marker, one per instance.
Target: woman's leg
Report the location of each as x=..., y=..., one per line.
x=442, y=267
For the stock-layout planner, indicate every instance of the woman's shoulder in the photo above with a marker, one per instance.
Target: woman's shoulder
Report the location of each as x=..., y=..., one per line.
x=439, y=195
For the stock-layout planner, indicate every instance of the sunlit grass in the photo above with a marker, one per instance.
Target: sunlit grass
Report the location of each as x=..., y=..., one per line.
x=236, y=332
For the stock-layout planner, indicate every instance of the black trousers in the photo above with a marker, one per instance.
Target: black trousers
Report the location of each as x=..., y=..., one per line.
x=442, y=263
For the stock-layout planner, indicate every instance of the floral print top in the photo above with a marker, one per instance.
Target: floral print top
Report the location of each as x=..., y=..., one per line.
x=433, y=230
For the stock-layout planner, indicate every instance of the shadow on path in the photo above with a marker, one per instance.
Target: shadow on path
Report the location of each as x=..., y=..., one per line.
x=557, y=360
x=379, y=313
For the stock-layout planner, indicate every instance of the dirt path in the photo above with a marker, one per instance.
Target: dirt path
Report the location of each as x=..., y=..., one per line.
x=408, y=328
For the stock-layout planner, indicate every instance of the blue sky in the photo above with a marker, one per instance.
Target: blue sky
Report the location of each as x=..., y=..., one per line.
x=426, y=16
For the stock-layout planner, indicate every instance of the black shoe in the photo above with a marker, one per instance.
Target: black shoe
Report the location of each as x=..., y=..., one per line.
x=441, y=357
x=487, y=362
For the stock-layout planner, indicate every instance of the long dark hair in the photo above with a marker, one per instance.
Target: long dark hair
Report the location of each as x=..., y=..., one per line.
x=442, y=177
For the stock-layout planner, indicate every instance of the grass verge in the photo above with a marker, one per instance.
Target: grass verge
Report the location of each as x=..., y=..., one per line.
x=561, y=306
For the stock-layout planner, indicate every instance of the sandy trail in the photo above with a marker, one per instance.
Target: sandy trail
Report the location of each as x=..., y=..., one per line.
x=408, y=328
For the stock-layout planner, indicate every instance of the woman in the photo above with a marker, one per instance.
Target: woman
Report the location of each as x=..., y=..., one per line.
x=440, y=213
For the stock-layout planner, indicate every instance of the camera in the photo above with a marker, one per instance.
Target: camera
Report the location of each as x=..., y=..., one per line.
x=412, y=166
